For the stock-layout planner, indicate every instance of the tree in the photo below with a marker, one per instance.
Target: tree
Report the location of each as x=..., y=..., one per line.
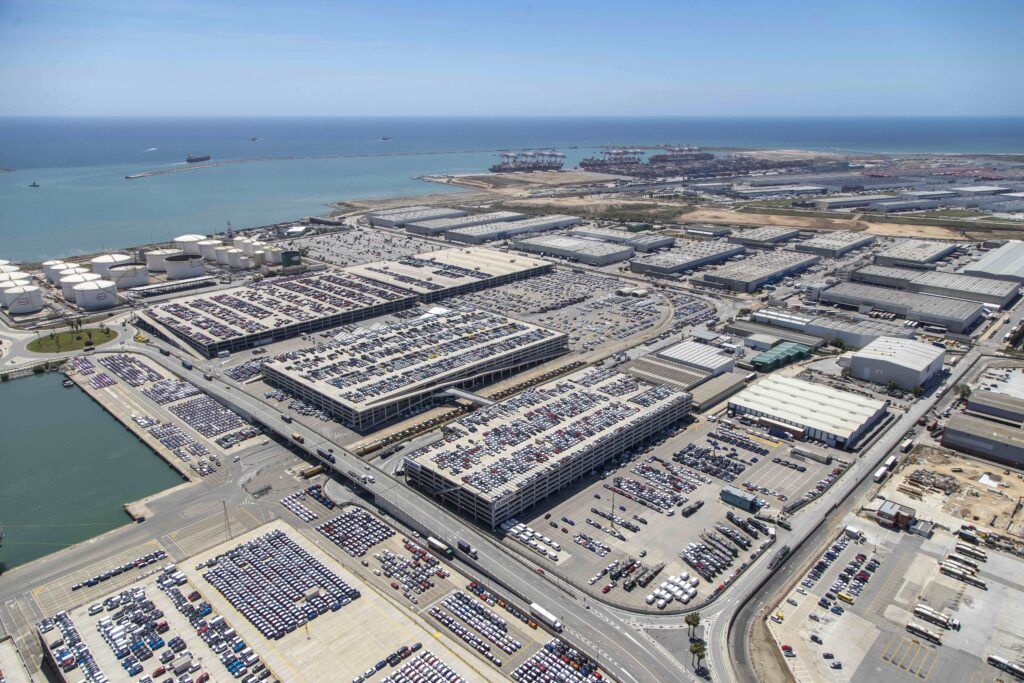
x=744, y=311
x=701, y=652
x=917, y=390
x=892, y=385
x=694, y=649
x=963, y=391
x=839, y=344
x=693, y=621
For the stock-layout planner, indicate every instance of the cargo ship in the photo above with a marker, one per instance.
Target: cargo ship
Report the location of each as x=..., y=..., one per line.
x=529, y=160
x=195, y=159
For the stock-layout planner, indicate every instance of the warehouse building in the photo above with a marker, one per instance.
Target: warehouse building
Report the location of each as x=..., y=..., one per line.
x=956, y=315
x=707, y=231
x=853, y=332
x=928, y=194
x=779, y=356
x=954, y=285
x=750, y=274
x=712, y=392
x=897, y=205
x=373, y=375
x=699, y=356
x=986, y=439
x=1004, y=263
x=507, y=457
x=739, y=498
x=594, y=252
x=271, y=310
x=808, y=410
x=686, y=256
x=397, y=219
x=764, y=238
x=915, y=254
x=835, y=244
x=490, y=232
x=906, y=362
x=995, y=405
x=641, y=241
x=437, y=226
x=831, y=203
x=981, y=190
x=747, y=328
x=775, y=190
x=435, y=275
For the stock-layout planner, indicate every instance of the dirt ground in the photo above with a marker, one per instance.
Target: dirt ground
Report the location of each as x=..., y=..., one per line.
x=788, y=154
x=728, y=216
x=988, y=507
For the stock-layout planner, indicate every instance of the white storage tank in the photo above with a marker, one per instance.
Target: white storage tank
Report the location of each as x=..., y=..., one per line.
x=221, y=254
x=235, y=258
x=245, y=262
x=13, y=277
x=155, y=259
x=102, y=264
x=69, y=282
x=51, y=268
x=96, y=295
x=8, y=268
x=4, y=262
x=273, y=255
x=10, y=284
x=208, y=249
x=238, y=241
x=189, y=244
x=184, y=266
x=129, y=275
x=23, y=300
x=70, y=270
x=259, y=257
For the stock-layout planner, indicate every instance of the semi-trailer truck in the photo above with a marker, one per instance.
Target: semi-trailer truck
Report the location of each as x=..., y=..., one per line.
x=467, y=548
x=440, y=547
x=545, y=616
x=938, y=618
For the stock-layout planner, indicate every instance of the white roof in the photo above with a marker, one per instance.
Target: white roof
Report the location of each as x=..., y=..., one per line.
x=907, y=353
x=813, y=405
x=697, y=354
x=1007, y=260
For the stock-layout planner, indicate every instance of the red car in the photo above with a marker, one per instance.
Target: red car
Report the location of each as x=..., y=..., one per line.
x=394, y=584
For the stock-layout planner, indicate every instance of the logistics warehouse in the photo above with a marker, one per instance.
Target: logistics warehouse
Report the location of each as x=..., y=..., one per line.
x=504, y=458
x=370, y=376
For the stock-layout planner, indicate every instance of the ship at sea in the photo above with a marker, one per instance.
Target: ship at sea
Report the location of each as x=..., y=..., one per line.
x=529, y=160
x=196, y=158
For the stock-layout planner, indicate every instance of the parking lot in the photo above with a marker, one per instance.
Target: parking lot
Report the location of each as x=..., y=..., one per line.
x=355, y=246
x=869, y=637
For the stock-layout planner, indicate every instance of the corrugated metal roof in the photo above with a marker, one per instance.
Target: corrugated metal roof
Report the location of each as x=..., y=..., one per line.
x=698, y=355
x=1006, y=261
x=907, y=353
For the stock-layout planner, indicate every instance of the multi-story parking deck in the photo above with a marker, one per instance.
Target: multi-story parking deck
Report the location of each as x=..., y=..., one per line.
x=504, y=458
x=371, y=376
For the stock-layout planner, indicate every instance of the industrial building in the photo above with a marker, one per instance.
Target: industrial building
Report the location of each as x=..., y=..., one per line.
x=895, y=205
x=435, y=275
x=956, y=315
x=490, y=232
x=928, y=194
x=594, y=252
x=686, y=256
x=271, y=310
x=776, y=190
x=954, y=285
x=853, y=332
x=832, y=203
x=374, y=375
x=915, y=254
x=1003, y=263
x=835, y=244
x=707, y=231
x=993, y=404
x=739, y=498
x=717, y=389
x=981, y=190
x=398, y=219
x=505, y=458
x=986, y=439
x=746, y=328
x=779, y=356
x=437, y=226
x=907, y=363
x=641, y=241
x=750, y=274
x=809, y=410
x=764, y=238
x=700, y=356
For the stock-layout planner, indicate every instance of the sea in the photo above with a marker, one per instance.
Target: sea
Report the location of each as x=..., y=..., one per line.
x=84, y=204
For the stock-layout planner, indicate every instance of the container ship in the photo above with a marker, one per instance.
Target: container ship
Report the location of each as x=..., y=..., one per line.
x=529, y=160
x=196, y=158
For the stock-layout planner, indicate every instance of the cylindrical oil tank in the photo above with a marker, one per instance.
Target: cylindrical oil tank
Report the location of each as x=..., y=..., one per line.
x=237, y=241
x=259, y=257
x=208, y=249
x=9, y=268
x=68, y=284
x=245, y=262
x=23, y=300
x=11, y=284
x=246, y=246
x=274, y=255
x=51, y=268
x=101, y=264
x=221, y=254
x=4, y=262
x=189, y=243
x=155, y=259
x=184, y=266
x=96, y=295
x=70, y=270
x=129, y=275
x=235, y=258
x=13, y=277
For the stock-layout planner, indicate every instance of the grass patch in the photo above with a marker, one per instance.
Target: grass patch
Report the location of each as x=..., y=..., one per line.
x=953, y=213
x=60, y=342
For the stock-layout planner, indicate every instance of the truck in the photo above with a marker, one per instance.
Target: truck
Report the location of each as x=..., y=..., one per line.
x=298, y=438
x=224, y=353
x=467, y=548
x=187, y=365
x=880, y=474
x=926, y=613
x=440, y=547
x=286, y=418
x=906, y=446
x=545, y=617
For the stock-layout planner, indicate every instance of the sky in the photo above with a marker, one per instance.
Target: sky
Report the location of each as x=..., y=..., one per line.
x=509, y=58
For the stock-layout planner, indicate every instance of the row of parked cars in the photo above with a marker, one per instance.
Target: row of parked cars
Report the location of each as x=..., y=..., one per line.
x=142, y=561
x=393, y=660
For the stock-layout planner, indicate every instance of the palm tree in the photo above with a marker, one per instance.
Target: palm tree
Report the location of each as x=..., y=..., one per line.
x=693, y=621
x=700, y=652
x=694, y=649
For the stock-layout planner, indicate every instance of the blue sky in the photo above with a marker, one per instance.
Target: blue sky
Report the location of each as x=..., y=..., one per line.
x=441, y=57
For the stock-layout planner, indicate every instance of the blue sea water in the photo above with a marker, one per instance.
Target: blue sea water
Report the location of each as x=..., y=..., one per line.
x=84, y=204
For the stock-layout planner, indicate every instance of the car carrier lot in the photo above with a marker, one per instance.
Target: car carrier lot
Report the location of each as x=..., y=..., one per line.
x=663, y=536
x=870, y=638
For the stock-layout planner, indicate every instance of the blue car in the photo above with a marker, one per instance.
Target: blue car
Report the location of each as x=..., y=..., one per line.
x=837, y=610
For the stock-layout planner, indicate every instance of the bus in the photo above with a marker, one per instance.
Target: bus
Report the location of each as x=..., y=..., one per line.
x=922, y=632
x=971, y=552
x=880, y=474
x=906, y=446
x=1005, y=665
x=845, y=597
x=890, y=463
